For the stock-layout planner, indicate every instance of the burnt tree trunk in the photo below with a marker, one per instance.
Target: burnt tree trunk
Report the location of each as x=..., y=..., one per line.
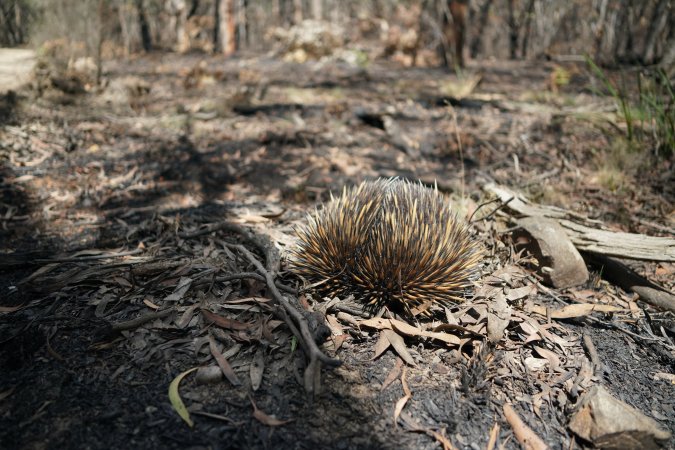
x=146, y=39
x=513, y=29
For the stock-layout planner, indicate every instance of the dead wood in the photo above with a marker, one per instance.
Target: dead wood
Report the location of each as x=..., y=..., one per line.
x=599, y=246
x=586, y=234
x=261, y=242
x=138, y=321
x=623, y=276
x=525, y=435
x=299, y=326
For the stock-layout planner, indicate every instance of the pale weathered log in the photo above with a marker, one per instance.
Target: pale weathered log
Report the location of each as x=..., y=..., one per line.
x=586, y=234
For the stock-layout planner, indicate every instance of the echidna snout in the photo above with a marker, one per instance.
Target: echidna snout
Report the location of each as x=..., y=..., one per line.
x=388, y=242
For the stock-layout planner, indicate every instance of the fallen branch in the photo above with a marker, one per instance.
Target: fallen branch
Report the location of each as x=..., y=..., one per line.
x=138, y=321
x=261, y=242
x=586, y=233
x=599, y=246
x=244, y=275
x=298, y=325
x=623, y=276
x=527, y=438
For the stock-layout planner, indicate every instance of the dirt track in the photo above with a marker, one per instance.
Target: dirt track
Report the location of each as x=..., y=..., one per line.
x=15, y=67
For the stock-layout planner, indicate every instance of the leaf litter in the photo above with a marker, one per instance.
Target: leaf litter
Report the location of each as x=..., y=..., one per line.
x=169, y=287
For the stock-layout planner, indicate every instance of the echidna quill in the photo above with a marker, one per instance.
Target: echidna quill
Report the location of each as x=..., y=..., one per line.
x=389, y=243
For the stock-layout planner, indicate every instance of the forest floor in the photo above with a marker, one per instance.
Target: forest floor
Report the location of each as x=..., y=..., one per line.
x=119, y=204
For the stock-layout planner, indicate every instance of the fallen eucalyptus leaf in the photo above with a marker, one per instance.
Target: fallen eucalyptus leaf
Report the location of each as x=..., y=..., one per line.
x=176, y=401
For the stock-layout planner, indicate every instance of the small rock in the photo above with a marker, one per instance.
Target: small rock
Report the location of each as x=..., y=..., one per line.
x=560, y=263
x=611, y=423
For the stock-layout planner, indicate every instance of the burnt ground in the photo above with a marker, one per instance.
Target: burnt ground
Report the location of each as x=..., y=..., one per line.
x=106, y=197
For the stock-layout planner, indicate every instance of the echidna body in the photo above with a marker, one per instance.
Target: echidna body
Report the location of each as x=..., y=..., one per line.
x=388, y=242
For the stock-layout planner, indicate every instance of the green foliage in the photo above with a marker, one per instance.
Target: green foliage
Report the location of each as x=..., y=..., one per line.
x=649, y=115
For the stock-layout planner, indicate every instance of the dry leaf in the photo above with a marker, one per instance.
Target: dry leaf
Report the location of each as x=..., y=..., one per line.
x=393, y=374
x=521, y=292
x=582, y=309
x=266, y=419
x=183, y=285
x=410, y=330
x=10, y=309
x=400, y=404
x=535, y=364
x=257, y=368
x=381, y=346
x=150, y=305
x=187, y=316
x=228, y=324
x=397, y=342
x=552, y=358
x=499, y=317
x=376, y=322
x=223, y=364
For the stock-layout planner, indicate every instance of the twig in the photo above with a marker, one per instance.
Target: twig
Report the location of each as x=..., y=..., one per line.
x=480, y=206
x=138, y=321
x=592, y=353
x=494, y=434
x=262, y=242
x=494, y=211
x=244, y=275
x=302, y=332
x=525, y=435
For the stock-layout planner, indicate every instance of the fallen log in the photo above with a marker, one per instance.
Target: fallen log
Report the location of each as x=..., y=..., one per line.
x=600, y=246
x=586, y=234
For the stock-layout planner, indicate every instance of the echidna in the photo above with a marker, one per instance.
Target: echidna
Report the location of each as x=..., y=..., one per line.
x=388, y=242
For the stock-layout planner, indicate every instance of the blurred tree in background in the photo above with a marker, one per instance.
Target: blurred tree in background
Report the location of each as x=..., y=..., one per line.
x=610, y=31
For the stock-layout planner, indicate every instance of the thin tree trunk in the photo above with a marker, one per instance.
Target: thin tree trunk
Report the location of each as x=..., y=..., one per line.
x=529, y=13
x=146, y=39
x=656, y=27
x=124, y=27
x=99, y=44
x=513, y=29
x=182, y=38
x=227, y=27
x=317, y=9
x=194, y=5
x=297, y=11
x=242, y=23
x=477, y=43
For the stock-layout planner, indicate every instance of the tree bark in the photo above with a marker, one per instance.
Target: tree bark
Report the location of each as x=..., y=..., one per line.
x=146, y=39
x=99, y=43
x=513, y=29
x=242, y=23
x=656, y=26
x=529, y=13
x=481, y=23
x=226, y=27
